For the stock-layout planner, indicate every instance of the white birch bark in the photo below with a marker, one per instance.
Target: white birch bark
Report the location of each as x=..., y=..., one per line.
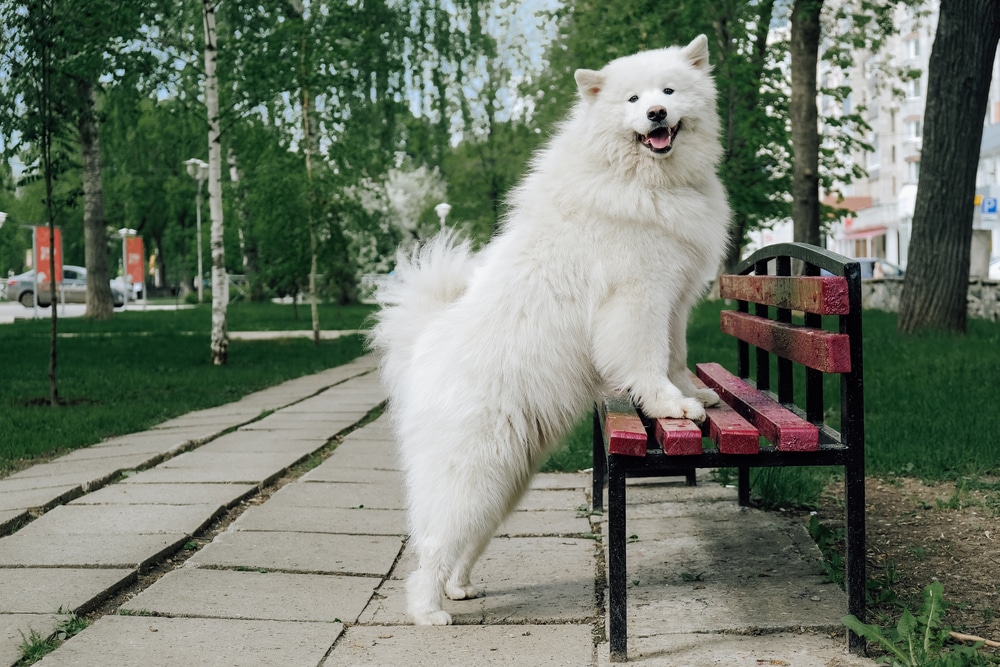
x=220, y=335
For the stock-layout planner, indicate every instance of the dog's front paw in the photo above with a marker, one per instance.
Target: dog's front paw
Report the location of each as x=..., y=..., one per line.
x=708, y=397
x=675, y=407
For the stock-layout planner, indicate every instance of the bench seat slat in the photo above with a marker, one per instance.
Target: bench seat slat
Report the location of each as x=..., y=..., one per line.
x=823, y=350
x=822, y=295
x=622, y=427
x=730, y=432
x=783, y=428
x=678, y=437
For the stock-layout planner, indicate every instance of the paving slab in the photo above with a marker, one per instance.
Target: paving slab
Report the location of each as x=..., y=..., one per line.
x=521, y=580
x=755, y=544
x=697, y=650
x=742, y=606
x=330, y=471
x=354, y=453
x=562, y=480
x=346, y=521
x=125, y=456
x=223, y=495
x=262, y=441
x=90, y=472
x=198, y=467
x=312, y=429
x=137, y=641
x=539, y=523
x=14, y=628
x=380, y=429
x=324, y=494
x=301, y=552
x=109, y=551
x=156, y=440
x=37, y=497
x=53, y=590
x=534, y=645
x=123, y=519
x=555, y=499
x=275, y=596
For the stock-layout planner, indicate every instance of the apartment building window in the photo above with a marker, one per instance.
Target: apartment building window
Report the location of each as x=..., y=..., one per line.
x=914, y=171
x=913, y=47
x=913, y=89
x=914, y=129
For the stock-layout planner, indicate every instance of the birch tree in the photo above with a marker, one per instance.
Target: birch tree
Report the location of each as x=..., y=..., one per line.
x=220, y=337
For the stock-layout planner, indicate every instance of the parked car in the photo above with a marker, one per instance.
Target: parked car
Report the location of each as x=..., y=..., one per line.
x=871, y=267
x=73, y=288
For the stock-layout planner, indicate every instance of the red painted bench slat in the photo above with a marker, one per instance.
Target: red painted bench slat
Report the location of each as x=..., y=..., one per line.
x=823, y=350
x=823, y=295
x=678, y=436
x=732, y=433
x=624, y=430
x=786, y=430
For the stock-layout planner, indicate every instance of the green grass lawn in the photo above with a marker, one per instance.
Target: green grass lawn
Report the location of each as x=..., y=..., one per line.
x=142, y=368
x=931, y=406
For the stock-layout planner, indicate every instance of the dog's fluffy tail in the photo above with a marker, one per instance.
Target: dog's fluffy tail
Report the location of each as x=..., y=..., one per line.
x=426, y=280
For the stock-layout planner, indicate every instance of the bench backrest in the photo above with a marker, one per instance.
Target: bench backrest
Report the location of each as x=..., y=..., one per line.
x=827, y=285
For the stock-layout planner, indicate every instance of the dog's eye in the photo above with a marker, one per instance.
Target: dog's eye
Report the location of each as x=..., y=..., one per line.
x=668, y=91
x=633, y=99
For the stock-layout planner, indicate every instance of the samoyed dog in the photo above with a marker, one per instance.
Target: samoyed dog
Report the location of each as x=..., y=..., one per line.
x=490, y=357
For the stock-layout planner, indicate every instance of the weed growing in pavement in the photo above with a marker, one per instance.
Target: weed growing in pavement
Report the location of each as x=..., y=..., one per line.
x=920, y=640
x=34, y=646
x=826, y=539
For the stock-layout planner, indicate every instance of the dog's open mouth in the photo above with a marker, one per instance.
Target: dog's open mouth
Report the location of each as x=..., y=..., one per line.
x=660, y=140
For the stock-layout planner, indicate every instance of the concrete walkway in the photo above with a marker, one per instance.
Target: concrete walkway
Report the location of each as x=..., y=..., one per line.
x=312, y=573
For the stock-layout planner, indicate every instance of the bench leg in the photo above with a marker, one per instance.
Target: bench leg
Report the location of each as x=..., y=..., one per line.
x=854, y=492
x=743, y=485
x=600, y=468
x=617, y=575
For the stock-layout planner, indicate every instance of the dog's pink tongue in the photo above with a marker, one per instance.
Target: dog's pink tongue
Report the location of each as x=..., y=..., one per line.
x=659, y=140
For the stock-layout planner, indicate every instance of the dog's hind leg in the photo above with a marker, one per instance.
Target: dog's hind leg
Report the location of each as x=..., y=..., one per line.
x=459, y=586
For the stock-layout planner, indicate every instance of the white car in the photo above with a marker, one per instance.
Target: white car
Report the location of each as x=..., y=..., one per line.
x=73, y=288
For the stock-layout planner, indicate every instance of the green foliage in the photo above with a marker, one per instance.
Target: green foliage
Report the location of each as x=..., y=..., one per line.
x=919, y=640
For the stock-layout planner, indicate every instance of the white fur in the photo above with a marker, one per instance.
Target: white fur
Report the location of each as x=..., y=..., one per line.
x=489, y=358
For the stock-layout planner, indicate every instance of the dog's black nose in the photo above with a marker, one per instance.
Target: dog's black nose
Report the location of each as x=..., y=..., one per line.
x=656, y=114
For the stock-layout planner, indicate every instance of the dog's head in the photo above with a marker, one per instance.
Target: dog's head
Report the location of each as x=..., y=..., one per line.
x=654, y=103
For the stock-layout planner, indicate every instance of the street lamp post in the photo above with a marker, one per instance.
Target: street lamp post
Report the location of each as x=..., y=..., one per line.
x=442, y=210
x=198, y=170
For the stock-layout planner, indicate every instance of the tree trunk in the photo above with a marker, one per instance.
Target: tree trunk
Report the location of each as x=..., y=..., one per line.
x=220, y=339
x=100, y=302
x=958, y=82
x=804, y=49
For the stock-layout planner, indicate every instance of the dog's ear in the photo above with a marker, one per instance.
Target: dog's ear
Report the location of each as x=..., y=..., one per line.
x=697, y=52
x=589, y=82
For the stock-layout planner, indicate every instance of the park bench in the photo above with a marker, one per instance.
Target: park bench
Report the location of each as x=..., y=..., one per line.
x=760, y=423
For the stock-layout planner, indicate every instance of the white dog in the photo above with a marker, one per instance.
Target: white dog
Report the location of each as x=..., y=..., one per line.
x=490, y=357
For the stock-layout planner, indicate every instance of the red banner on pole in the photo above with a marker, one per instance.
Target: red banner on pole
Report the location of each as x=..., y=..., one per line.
x=135, y=256
x=45, y=253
